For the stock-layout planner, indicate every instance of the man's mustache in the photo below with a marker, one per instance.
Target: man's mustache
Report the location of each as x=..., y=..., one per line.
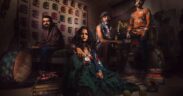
x=46, y=24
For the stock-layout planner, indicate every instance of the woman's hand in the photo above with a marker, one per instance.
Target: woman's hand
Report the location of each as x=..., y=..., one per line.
x=100, y=74
x=80, y=53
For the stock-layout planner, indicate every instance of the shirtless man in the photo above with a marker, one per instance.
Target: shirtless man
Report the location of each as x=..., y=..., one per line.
x=139, y=25
x=140, y=20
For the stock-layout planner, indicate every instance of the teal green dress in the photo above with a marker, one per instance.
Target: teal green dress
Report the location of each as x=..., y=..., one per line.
x=82, y=72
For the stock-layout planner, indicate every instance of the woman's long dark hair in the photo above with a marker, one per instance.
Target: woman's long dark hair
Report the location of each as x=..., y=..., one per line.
x=78, y=41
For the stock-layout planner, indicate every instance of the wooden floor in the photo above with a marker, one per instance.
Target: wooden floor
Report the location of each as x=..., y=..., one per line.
x=173, y=87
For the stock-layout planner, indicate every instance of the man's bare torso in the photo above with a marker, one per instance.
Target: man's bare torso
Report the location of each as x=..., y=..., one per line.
x=139, y=21
x=139, y=18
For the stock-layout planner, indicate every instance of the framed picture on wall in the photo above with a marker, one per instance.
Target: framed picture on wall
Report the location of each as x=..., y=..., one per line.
x=76, y=21
x=55, y=6
x=36, y=3
x=84, y=14
x=69, y=20
x=70, y=11
x=62, y=18
x=79, y=5
x=77, y=13
x=70, y=30
x=62, y=27
x=54, y=15
x=65, y=2
x=46, y=5
x=85, y=8
x=73, y=3
x=63, y=9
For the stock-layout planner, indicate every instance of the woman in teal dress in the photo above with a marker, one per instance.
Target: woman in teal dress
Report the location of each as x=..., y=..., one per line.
x=86, y=76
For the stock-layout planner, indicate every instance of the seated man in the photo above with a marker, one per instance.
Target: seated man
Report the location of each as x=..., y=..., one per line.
x=105, y=39
x=51, y=40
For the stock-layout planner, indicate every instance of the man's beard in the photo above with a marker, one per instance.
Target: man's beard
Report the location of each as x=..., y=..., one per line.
x=46, y=26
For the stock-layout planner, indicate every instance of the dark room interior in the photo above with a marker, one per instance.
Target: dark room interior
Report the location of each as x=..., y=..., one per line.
x=21, y=57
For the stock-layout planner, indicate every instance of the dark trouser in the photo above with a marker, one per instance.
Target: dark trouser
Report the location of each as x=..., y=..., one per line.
x=144, y=53
x=45, y=57
x=106, y=52
x=139, y=48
